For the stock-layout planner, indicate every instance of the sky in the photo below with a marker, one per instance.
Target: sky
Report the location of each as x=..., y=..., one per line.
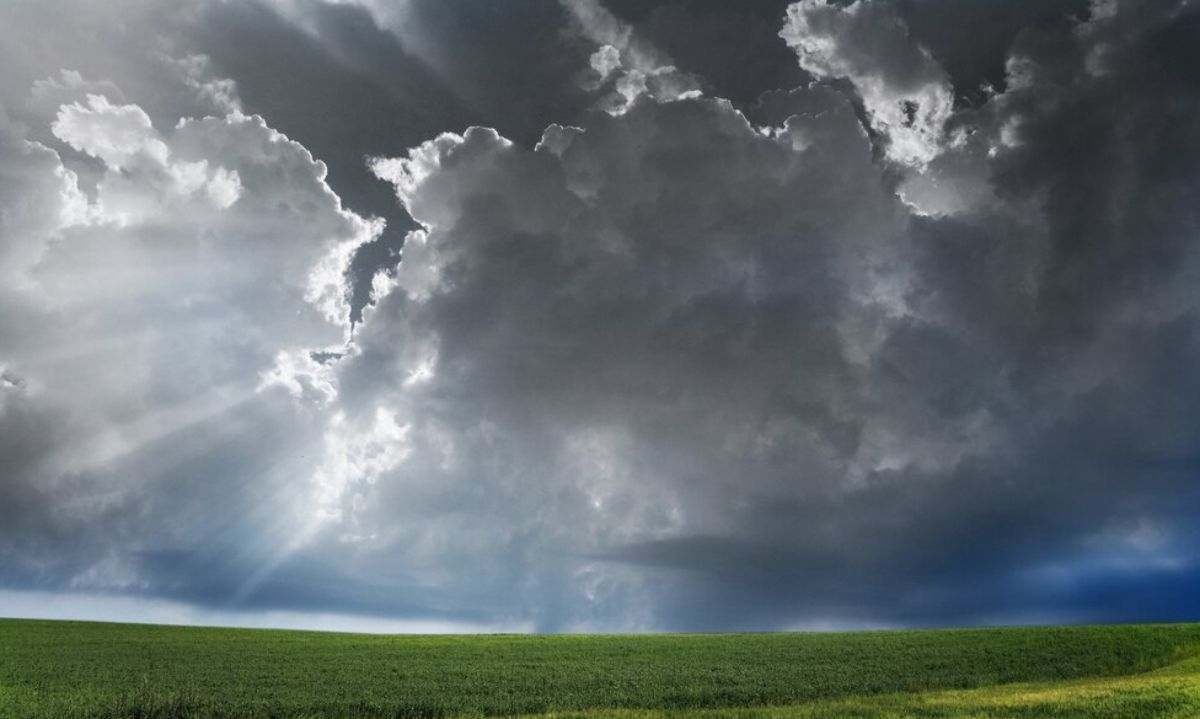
x=600, y=315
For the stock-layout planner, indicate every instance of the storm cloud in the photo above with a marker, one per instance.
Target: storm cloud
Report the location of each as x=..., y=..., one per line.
x=604, y=316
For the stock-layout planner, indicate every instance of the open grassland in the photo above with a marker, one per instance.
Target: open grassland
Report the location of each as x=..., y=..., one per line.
x=1172, y=693
x=69, y=669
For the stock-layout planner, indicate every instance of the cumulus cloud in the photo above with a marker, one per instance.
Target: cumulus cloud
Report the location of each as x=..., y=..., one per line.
x=794, y=387
x=666, y=364
x=123, y=138
x=144, y=317
x=906, y=93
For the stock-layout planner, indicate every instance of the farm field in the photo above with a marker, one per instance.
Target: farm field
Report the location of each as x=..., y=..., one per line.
x=75, y=669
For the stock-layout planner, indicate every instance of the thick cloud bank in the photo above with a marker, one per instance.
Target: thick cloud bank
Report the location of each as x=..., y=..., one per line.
x=873, y=349
x=147, y=323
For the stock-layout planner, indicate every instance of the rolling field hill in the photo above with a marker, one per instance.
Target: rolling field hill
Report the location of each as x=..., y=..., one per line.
x=72, y=669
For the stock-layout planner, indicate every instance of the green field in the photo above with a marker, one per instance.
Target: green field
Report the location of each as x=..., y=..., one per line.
x=71, y=669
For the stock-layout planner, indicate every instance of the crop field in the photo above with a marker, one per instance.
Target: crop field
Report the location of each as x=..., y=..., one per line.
x=73, y=669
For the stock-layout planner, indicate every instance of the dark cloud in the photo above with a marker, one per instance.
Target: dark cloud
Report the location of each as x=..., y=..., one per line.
x=947, y=405
x=973, y=40
x=895, y=350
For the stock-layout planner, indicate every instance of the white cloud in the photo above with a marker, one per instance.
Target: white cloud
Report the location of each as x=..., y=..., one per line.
x=39, y=197
x=605, y=60
x=906, y=93
x=116, y=134
x=142, y=174
x=145, y=317
x=224, y=188
x=356, y=456
x=638, y=67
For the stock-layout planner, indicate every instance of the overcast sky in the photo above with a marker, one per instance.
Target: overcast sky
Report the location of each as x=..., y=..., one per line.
x=600, y=315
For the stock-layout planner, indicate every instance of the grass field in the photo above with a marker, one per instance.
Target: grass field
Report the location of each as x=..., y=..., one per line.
x=69, y=669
